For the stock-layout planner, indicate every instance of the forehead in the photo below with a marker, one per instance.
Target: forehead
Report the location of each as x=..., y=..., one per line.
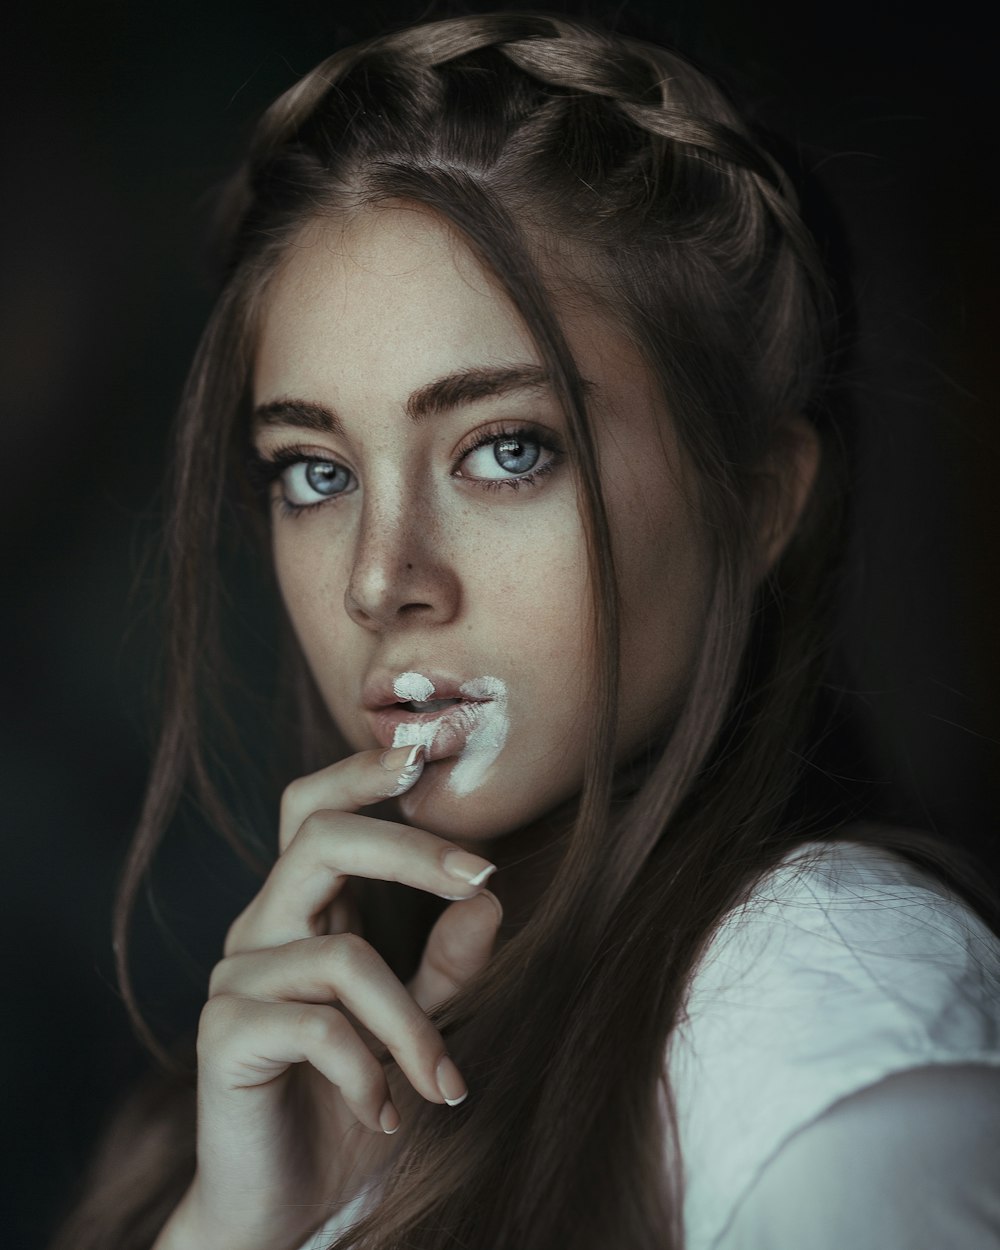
x=391, y=296
x=367, y=310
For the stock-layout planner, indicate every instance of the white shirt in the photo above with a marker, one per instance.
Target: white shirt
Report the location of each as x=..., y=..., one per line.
x=837, y=1076
x=848, y=967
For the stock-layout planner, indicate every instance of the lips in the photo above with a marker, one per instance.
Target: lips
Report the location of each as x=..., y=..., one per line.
x=442, y=723
x=432, y=707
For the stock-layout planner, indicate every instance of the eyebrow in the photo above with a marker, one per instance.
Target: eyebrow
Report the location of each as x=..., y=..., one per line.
x=464, y=386
x=468, y=385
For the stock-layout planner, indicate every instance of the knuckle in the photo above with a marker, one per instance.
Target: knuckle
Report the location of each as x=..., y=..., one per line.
x=322, y=1026
x=216, y=1022
x=216, y=981
x=313, y=830
x=300, y=821
x=232, y=940
x=350, y=953
x=220, y=977
x=290, y=797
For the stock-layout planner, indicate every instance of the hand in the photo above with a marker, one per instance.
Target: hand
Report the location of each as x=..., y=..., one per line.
x=293, y=1106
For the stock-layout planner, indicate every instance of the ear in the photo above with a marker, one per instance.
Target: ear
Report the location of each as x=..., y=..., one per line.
x=789, y=476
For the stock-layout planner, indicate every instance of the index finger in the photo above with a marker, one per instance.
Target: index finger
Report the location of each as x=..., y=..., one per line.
x=361, y=779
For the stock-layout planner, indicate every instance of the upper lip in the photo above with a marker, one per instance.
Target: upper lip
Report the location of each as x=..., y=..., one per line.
x=378, y=692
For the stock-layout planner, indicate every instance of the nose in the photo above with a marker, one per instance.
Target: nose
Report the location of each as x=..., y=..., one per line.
x=399, y=574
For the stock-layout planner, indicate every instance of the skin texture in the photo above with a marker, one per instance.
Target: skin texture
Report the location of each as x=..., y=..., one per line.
x=418, y=566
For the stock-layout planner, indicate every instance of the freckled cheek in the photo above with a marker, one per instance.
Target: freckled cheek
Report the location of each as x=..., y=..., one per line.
x=307, y=571
x=530, y=608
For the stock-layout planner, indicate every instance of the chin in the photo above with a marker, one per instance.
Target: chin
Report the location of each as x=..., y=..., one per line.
x=492, y=810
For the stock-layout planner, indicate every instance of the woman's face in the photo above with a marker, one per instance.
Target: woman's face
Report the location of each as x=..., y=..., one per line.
x=426, y=531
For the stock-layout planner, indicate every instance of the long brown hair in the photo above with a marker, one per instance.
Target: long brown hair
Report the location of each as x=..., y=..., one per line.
x=556, y=150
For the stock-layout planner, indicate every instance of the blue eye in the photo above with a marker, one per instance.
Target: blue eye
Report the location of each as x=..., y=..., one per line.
x=506, y=458
x=322, y=477
x=498, y=457
x=516, y=455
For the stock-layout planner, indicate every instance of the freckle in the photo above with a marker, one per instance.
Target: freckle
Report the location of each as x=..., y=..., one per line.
x=409, y=566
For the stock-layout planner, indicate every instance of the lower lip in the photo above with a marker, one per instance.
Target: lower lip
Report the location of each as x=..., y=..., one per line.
x=451, y=727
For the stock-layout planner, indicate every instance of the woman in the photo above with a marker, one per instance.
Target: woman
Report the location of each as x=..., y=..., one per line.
x=527, y=350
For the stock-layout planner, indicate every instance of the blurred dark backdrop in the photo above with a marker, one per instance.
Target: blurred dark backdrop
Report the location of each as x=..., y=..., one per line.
x=120, y=118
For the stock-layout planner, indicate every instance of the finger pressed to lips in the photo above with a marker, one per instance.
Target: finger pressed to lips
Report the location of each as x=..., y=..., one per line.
x=365, y=778
x=330, y=847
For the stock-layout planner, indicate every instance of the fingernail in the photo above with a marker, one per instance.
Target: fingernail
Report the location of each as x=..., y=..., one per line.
x=453, y=1088
x=410, y=766
x=388, y=1118
x=468, y=868
x=395, y=758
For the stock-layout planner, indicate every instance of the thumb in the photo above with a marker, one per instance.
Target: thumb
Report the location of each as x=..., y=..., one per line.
x=460, y=945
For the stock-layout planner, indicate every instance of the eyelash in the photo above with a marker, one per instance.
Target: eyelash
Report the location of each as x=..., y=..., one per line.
x=263, y=471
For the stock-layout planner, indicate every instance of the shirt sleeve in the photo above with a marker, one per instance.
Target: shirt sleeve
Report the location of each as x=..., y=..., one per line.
x=846, y=967
x=909, y=1163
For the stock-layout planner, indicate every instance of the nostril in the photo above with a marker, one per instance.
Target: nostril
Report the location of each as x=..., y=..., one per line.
x=381, y=593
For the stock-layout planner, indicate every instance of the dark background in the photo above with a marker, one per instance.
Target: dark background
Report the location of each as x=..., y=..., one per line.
x=120, y=119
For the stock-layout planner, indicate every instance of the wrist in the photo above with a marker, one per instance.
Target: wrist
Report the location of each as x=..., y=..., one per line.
x=191, y=1228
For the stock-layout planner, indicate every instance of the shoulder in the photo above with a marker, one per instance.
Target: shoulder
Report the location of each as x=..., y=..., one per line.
x=908, y=1162
x=849, y=922
x=847, y=965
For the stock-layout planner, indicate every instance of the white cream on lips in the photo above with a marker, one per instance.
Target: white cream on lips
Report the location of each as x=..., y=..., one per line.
x=413, y=688
x=486, y=725
x=487, y=735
